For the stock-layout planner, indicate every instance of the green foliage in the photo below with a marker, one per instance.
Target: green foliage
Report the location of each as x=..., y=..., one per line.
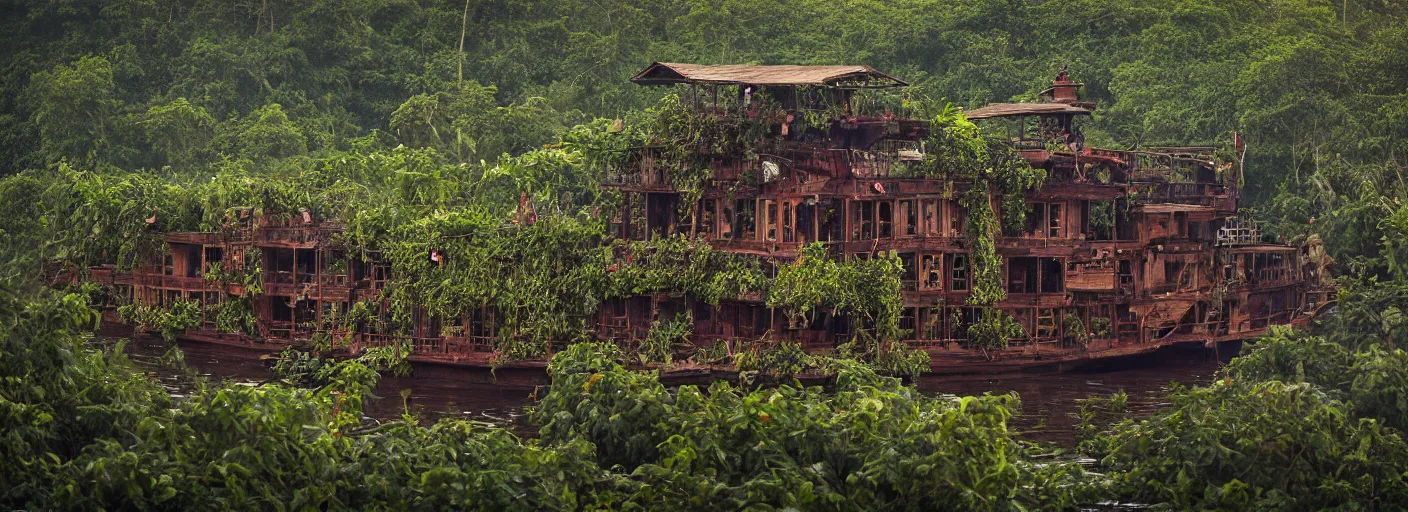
x=689, y=140
x=168, y=322
x=871, y=444
x=678, y=264
x=1102, y=220
x=1294, y=356
x=594, y=398
x=1096, y=414
x=178, y=130
x=993, y=330
x=893, y=358
x=1100, y=327
x=868, y=289
x=234, y=314
x=84, y=428
x=75, y=108
x=1323, y=407
x=265, y=133
x=312, y=370
x=1264, y=445
x=1075, y=328
x=57, y=395
x=777, y=360
x=543, y=279
x=466, y=123
x=659, y=345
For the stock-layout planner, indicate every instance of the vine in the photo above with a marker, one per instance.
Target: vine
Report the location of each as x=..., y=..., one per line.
x=688, y=141
x=992, y=167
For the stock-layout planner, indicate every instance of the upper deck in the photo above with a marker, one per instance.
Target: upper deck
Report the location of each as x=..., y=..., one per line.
x=807, y=118
x=807, y=125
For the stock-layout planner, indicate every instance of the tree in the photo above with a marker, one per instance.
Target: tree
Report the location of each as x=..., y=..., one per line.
x=179, y=130
x=74, y=108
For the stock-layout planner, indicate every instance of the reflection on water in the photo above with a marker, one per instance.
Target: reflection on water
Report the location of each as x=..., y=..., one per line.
x=1048, y=399
x=435, y=392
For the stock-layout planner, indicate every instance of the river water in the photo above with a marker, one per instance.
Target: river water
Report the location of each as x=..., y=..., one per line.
x=1049, y=400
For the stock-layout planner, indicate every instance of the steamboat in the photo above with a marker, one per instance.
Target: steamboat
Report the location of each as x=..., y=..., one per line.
x=1124, y=251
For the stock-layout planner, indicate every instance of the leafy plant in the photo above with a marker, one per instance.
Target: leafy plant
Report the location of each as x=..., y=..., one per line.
x=659, y=345
x=168, y=322
x=777, y=360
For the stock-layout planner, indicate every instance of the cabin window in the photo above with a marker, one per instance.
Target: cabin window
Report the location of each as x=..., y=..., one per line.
x=1021, y=275
x=958, y=273
x=787, y=235
x=806, y=221
x=707, y=216
x=1026, y=317
x=1052, y=276
x=1099, y=220
x=832, y=220
x=481, y=320
x=1173, y=271
x=960, y=318
x=932, y=225
x=887, y=219
x=280, y=310
x=930, y=268
x=1036, y=219
x=910, y=274
x=213, y=255
x=1055, y=225
x=745, y=222
x=763, y=320
x=909, y=217
x=957, y=219
x=909, y=322
x=703, y=313
x=770, y=221
x=932, y=323
x=862, y=220
x=661, y=213
x=726, y=223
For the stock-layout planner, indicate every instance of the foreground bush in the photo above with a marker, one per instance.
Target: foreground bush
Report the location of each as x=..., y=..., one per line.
x=1259, y=446
x=871, y=444
x=84, y=429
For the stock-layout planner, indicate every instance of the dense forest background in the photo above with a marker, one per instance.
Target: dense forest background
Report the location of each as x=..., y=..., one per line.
x=415, y=123
x=1320, y=88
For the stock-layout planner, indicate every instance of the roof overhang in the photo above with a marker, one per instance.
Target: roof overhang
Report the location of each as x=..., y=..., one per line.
x=1176, y=208
x=1024, y=109
x=845, y=77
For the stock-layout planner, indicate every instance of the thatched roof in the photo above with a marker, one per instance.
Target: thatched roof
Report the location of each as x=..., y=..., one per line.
x=662, y=73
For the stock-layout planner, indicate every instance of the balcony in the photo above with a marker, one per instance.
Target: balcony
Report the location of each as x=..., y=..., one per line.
x=1200, y=194
x=295, y=236
x=173, y=282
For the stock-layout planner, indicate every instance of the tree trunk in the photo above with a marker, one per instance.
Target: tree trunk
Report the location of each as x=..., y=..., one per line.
x=464, y=27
